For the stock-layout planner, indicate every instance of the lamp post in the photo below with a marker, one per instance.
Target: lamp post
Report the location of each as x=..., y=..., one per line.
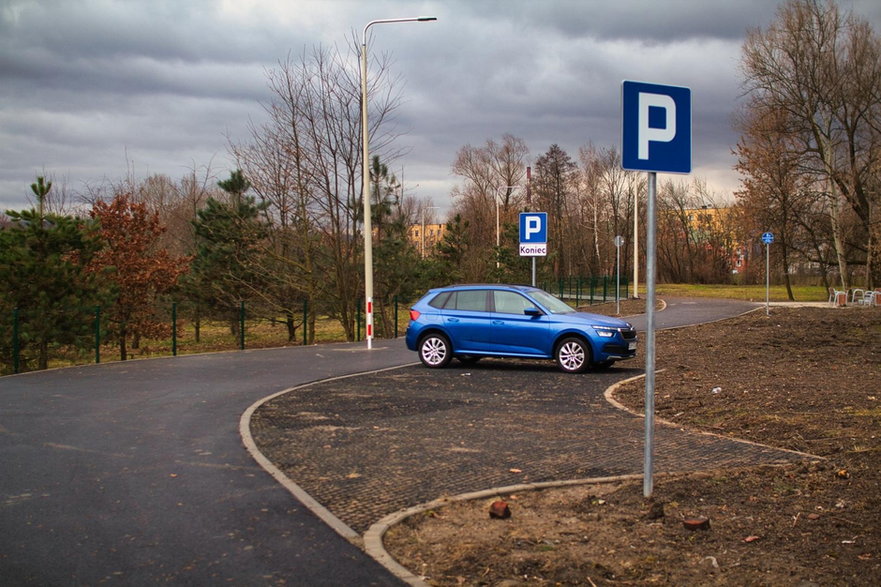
x=635, y=245
x=365, y=171
x=498, y=226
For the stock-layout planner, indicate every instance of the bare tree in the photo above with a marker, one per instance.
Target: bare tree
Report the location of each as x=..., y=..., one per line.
x=776, y=196
x=822, y=69
x=554, y=185
x=305, y=163
x=492, y=173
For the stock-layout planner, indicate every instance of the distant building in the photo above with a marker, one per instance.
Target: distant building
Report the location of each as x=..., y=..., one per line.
x=707, y=225
x=425, y=237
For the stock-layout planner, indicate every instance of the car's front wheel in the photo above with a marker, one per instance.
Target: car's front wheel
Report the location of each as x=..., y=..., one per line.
x=435, y=351
x=572, y=355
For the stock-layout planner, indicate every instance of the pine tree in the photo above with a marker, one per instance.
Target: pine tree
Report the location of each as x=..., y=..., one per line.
x=226, y=269
x=42, y=261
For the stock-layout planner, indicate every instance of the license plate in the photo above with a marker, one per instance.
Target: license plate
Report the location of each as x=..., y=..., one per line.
x=631, y=346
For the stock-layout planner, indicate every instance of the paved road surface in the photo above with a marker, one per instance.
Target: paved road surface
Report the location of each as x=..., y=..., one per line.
x=134, y=472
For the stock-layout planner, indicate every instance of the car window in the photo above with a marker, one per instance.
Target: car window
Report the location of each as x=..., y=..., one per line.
x=554, y=304
x=509, y=302
x=440, y=300
x=470, y=299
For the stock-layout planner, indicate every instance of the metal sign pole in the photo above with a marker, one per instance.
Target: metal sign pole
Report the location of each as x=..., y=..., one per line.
x=768, y=238
x=533, y=272
x=650, y=271
x=767, y=279
x=618, y=281
x=635, y=245
x=619, y=242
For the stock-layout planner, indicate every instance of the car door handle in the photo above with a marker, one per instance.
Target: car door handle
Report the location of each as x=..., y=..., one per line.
x=452, y=319
x=496, y=322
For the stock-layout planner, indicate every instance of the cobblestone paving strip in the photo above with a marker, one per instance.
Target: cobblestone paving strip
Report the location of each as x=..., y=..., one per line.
x=369, y=445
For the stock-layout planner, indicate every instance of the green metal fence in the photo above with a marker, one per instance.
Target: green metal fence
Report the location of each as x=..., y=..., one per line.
x=588, y=290
x=17, y=349
x=186, y=334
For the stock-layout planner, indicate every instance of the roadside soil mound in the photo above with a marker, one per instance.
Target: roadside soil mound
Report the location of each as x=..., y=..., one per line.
x=804, y=379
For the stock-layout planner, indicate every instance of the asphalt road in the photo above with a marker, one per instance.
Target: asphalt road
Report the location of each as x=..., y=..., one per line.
x=134, y=473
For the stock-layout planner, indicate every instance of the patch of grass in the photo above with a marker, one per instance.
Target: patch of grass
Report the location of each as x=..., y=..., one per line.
x=802, y=293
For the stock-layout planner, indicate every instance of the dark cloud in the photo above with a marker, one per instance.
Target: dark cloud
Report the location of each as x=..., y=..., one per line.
x=98, y=89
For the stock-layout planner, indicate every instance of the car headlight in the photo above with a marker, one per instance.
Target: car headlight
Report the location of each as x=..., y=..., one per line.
x=605, y=331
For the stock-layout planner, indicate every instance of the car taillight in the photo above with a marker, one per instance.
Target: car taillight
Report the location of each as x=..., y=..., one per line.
x=414, y=314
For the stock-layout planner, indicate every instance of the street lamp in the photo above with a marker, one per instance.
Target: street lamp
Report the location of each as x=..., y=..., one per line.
x=498, y=226
x=365, y=171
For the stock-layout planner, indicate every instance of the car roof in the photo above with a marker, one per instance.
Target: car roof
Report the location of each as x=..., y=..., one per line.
x=488, y=285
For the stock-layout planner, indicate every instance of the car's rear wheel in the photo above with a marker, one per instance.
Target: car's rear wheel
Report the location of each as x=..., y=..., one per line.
x=435, y=351
x=572, y=355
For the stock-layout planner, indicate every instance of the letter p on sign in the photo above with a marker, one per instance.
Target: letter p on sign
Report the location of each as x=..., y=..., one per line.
x=648, y=133
x=533, y=226
x=656, y=127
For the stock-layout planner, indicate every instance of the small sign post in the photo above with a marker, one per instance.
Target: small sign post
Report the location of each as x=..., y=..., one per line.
x=768, y=238
x=619, y=240
x=533, y=236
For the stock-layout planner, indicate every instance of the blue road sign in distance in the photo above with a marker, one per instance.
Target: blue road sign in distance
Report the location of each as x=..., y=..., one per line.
x=656, y=127
x=768, y=238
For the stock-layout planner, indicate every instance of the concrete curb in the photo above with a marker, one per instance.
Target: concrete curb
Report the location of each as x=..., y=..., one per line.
x=610, y=393
x=298, y=492
x=374, y=546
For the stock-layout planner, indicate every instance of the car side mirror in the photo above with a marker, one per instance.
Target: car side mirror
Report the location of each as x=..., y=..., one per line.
x=532, y=311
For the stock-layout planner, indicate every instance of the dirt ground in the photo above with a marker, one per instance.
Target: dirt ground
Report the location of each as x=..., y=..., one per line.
x=805, y=379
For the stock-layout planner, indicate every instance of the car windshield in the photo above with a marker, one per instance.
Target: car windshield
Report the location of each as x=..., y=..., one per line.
x=552, y=303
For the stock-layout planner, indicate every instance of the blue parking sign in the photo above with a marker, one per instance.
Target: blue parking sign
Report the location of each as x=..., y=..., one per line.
x=656, y=127
x=533, y=235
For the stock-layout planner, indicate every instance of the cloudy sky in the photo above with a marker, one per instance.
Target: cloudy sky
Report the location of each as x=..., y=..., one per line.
x=93, y=91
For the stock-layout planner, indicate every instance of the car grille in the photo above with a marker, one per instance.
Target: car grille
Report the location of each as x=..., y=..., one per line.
x=628, y=334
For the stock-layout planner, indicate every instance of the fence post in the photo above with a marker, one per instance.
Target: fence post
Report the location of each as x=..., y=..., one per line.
x=605, y=287
x=305, y=321
x=97, y=334
x=173, y=329
x=242, y=325
x=396, y=316
x=16, y=348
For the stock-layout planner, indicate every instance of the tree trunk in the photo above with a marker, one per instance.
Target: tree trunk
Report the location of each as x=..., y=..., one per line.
x=835, y=217
x=291, y=326
x=43, y=360
x=123, y=350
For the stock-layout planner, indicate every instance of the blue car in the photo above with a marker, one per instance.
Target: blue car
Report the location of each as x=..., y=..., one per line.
x=473, y=321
